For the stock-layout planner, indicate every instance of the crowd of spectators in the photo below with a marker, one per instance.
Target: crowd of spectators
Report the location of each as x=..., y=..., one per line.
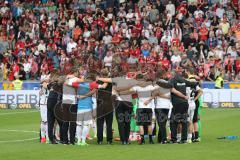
x=37, y=36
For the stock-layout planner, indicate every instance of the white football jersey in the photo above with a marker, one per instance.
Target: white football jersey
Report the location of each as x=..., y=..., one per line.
x=43, y=96
x=191, y=93
x=144, y=94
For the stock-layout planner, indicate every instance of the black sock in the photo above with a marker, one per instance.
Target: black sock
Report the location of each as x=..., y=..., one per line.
x=142, y=137
x=196, y=135
x=150, y=138
x=193, y=136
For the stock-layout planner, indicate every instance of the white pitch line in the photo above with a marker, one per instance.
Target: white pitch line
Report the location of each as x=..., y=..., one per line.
x=2, y=114
x=12, y=130
x=20, y=140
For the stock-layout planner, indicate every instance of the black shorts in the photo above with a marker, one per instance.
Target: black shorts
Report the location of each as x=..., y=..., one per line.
x=144, y=116
x=195, y=116
x=180, y=113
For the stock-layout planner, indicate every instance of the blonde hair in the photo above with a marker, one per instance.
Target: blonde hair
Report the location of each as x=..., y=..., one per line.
x=105, y=72
x=54, y=76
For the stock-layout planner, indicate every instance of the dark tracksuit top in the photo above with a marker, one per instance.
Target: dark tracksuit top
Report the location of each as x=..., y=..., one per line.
x=180, y=85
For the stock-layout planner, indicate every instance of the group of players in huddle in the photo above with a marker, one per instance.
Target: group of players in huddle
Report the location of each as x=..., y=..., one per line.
x=140, y=101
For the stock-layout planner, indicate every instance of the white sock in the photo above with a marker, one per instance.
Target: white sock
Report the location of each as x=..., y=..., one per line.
x=168, y=130
x=46, y=129
x=178, y=137
x=189, y=136
x=135, y=134
x=104, y=130
x=79, y=132
x=94, y=127
x=84, y=133
x=131, y=136
x=43, y=130
x=57, y=131
x=168, y=126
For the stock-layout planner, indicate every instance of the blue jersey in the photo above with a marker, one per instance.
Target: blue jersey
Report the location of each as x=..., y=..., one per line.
x=86, y=103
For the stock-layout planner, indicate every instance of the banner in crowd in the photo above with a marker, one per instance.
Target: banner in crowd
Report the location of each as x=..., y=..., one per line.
x=230, y=85
x=223, y=98
x=34, y=85
x=28, y=99
x=21, y=99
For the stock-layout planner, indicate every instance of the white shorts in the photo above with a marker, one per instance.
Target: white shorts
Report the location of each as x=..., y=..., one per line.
x=190, y=114
x=43, y=112
x=84, y=117
x=191, y=105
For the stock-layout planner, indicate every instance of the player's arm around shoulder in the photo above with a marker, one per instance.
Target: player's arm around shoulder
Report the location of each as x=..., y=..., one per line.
x=199, y=93
x=131, y=90
x=155, y=94
x=179, y=94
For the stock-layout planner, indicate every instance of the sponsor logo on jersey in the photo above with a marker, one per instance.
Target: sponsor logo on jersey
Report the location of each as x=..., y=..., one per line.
x=181, y=84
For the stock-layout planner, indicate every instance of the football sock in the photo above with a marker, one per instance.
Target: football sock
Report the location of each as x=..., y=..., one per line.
x=79, y=131
x=94, y=127
x=150, y=138
x=84, y=133
x=43, y=130
x=196, y=135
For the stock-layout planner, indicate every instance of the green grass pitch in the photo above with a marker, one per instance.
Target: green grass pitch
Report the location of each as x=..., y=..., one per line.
x=19, y=141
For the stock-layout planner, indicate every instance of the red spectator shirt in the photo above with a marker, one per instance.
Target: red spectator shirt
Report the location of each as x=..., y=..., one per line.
x=164, y=45
x=11, y=76
x=135, y=52
x=101, y=22
x=68, y=67
x=199, y=20
x=44, y=27
x=203, y=31
x=53, y=46
x=149, y=59
x=29, y=43
x=165, y=64
x=15, y=68
x=19, y=46
x=181, y=48
x=116, y=38
x=50, y=65
x=138, y=28
x=158, y=33
x=34, y=67
x=176, y=41
x=44, y=66
x=182, y=9
x=61, y=1
x=235, y=3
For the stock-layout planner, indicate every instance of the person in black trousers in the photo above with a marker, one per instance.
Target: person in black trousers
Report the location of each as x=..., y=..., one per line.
x=104, y=110
x=53, y=103
x=123, y=105
x=69, y=123
x=123, y=114
x=179, y=113
x=69, y=106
